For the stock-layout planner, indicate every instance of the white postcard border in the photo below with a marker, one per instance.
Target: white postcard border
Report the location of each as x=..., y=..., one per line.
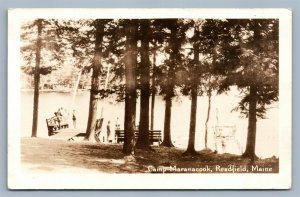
x=20, y=180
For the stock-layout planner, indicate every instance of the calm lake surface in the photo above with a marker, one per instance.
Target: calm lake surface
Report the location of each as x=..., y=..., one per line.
x=267, y=129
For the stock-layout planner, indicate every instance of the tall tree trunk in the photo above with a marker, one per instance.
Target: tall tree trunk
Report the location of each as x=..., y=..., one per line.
x=207, y=116
x=94, y=93
x=194, y=95
x=251, y=137
x=167, y=124
x=143, y=137
x=153, y=92
x=169, y=94
x=37, y=79
x=192, y=133
x=130, y=89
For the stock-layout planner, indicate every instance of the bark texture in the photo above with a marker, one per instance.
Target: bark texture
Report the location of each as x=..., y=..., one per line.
x=94, y=93
x=130, y=89
x=37, y=79
x=251, y=137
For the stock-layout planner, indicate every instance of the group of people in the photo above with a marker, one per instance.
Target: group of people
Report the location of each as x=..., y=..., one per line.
x=108, y=130
x=62, y=115
x=108, y=137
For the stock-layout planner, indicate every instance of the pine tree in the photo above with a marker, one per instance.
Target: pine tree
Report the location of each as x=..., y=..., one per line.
x=193, y=85
x=173, y=31
x=97, y=67
x=145, y=35
x=131, y=29
x=41, y=54
x=251, y=64
x=88, y=43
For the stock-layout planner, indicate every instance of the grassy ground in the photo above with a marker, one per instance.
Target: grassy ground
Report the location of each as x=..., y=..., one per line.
x=49, y=155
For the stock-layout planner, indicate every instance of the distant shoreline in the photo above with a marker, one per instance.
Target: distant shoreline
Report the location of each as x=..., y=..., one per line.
x=51, y=90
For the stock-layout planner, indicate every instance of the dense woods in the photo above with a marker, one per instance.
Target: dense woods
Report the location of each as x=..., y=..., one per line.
x=167, y=57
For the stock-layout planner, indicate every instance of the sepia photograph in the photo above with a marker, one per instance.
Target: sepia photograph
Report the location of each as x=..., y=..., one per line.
x=147, y=98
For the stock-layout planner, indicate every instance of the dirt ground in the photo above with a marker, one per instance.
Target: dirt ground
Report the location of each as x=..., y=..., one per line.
x=49, y=155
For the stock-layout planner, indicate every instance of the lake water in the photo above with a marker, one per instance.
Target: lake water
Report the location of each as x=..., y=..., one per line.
x=267, y=129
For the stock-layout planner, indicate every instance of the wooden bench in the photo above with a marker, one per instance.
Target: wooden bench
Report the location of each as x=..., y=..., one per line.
x=55, y=123
x=154, y=136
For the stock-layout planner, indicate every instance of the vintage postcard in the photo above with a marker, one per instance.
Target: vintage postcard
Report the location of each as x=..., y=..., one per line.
x=149, y=98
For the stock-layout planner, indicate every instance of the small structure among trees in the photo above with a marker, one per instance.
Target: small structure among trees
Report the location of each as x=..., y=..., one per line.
x=225, y=140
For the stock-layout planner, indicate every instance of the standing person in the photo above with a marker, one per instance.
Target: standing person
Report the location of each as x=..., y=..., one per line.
x=74, y=118
x=108, y=131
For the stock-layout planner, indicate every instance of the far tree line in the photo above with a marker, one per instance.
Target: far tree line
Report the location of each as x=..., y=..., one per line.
x=190, y=57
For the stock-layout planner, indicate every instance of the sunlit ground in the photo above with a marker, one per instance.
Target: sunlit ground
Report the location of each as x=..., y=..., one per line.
x=55, y=156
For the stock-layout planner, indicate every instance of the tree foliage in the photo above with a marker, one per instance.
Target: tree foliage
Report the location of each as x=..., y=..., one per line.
x=196, y=57
x=51, y=48
x=255, y=49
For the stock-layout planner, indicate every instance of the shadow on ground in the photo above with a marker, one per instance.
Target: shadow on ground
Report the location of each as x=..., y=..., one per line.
x=44, y=155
